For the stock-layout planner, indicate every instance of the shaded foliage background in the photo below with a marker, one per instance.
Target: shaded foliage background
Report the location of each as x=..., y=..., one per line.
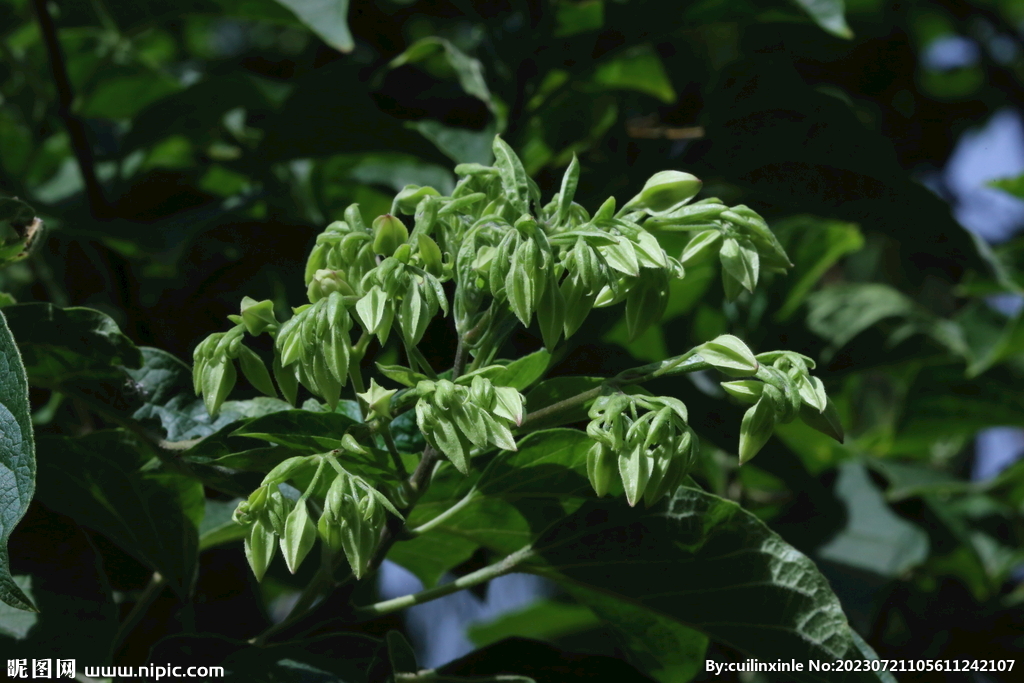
x=186, y=154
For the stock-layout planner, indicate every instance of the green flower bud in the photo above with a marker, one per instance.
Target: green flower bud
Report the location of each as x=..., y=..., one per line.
x=258, y=316
x=388, y=234
x=601, y=468
x=757, y=427
x=403, y=253
x=325, y=282
x=298, y=538
x=430, y=256
x=746, y=390
x=276, y=511
x=646, y=301
x=635, y=469
x=256, y=371
x=578, y=304
x=217, y=381
x=352, y=520
x=259, y=548
x=740, y=259
x=481, y=393
x=664, y=192
x=729, y=355
x=700, y=247
x=378, y=400
x=288, y=469
x=410, y=196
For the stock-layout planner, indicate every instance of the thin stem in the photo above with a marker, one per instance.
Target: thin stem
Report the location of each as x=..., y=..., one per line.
x=460, y=360
x=396, y=457
x=150, y=593
x=355, y=373
x=65, y=101
x=447, y=514
x=688, y=362
x=489, y=572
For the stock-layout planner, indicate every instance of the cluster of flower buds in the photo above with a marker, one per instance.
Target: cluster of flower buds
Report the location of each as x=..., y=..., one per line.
x=645, y=440
x=397, y=287
x=744, y=243
x=313, y=348
x=353, y=515
x=454, y=417
x=782, y=391
x=346, y=249
x=214, y=373
x=274, y=519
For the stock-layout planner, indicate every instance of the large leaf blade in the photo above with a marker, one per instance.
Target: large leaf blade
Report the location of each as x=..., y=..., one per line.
x=17, y=458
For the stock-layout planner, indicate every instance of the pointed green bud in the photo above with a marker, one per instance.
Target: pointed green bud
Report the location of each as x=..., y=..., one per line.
x=378, y=400
x=409, y=198
x=740, y=259
x=601, y=468
x=286, y=380
x=508, y=404
x=729, y=355
x=388, y=234
x=701, y=247
x=664, y=192
x=757, y=427
x=289, y=468
x=746, y=390
x=646, y=301
x=827, y=422
x=299, y=536
x=430, y=256
x=260, y=546
x=256, y=371
x=217, y=382
x=635, y=470
x=258, y=316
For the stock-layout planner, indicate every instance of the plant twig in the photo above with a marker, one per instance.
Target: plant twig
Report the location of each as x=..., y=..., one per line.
x=65, y=101
x=150, y=593
x=503, y=566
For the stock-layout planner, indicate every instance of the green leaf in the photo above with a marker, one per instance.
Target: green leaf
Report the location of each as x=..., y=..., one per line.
x=461, y=145
x=16, y=622
x=165, y=384
x=578, y=17
x=513, y=176
x=724, y=573
x=96, y=480
x=840, y=312
x=828, y=14
x=17, y=459
x=326, y=18
x=522, y=372
x=299, y=429
x=639, y=69
x=875, y=538
x=822, y=242
x=728, y=354
x=218, y=527
x=543, y=620
x=69, y=346
x=660, y=646
x=468, y=70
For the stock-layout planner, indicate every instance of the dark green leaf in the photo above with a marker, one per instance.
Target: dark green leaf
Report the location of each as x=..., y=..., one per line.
x=818, y=245
x=299, y=429
x=657, y=645
x=166, y=387
x=68, y=346
x=639, y=69
x=17, y=458
x=96, y=480
x=828, y=14
x=724, y=573
x=543, y=620
x=326, y=18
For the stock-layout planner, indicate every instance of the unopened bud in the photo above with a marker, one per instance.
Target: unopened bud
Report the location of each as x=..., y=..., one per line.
x=388, y=234
x=663, y=192
x=325, y=282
